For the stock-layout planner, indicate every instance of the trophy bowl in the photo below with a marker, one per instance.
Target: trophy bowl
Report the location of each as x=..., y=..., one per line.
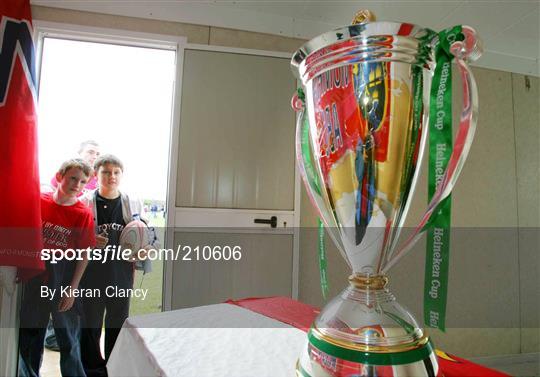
x=361, y=132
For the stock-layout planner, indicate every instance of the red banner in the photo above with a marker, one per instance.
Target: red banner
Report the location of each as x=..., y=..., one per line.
x=20, y=218
x=301, y=316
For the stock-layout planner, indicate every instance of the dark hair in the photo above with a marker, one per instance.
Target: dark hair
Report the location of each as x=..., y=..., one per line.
x=75, y=163
x=108, y=159
x=85, y=143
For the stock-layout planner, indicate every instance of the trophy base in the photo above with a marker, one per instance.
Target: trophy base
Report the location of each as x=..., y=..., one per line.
x=325, y=365
x=365, y=332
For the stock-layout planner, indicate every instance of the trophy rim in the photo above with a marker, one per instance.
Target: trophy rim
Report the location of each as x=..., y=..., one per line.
x=361, y=31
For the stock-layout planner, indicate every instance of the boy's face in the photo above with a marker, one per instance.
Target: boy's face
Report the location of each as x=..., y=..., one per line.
x=72, y=183
x=89, y=154
x=109, y=176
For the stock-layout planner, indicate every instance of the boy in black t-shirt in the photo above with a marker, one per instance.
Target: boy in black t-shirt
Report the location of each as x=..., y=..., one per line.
x=112, y=211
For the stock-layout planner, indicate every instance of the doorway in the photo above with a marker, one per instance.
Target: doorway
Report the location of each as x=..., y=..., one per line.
x=118, y=90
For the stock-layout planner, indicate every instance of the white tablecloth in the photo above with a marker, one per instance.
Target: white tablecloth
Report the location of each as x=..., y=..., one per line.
x=215, y=340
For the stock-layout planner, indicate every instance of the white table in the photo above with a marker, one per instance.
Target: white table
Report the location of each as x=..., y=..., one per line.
x=215, y=340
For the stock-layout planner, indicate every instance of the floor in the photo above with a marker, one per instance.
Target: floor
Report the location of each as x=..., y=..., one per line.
x=50, y=367
x=51, y=364
x=524, y=365
x=529, y=369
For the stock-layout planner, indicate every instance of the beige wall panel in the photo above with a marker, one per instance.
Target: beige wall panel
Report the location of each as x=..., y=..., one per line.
x=485, y=194
x=484, y=262
x=194, y=33
x=265, y=269
x=530, y=339
x=236, y=132
x=484, y=246
x=251, y=40
x=527, y=125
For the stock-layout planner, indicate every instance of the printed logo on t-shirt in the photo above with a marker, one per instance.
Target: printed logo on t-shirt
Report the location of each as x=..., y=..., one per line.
x=55, y=234
x=110, y=227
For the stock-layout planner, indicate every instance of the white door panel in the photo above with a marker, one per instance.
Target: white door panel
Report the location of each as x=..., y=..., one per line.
x=235, y=165
x=236, y=145
x=264, y=268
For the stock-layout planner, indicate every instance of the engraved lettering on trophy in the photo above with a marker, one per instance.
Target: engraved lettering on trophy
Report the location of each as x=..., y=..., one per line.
x=332, y=135
x=337, y=128
x=335, y=78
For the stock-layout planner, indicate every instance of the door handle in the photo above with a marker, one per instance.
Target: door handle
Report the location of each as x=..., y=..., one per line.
x=272, y=221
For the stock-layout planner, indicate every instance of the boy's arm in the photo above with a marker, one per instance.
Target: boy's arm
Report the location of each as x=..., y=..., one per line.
x=79, y=271
x=66, y=302
x=87, y=239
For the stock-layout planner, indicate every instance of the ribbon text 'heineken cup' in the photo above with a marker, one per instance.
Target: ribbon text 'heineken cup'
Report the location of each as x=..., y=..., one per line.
x=372, y=94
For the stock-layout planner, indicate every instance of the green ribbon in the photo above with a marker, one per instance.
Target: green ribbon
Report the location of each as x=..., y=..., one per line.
x=322, y=262
x=314, y=185
x=440, y=149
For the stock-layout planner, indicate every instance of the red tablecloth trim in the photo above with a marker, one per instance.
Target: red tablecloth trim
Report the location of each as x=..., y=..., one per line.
x=301, y=316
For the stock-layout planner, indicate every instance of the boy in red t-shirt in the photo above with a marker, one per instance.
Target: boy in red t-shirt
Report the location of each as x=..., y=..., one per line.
x=67, y=224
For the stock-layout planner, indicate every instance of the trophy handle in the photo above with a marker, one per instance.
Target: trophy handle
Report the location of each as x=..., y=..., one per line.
x=314, y=187
x=468, y=49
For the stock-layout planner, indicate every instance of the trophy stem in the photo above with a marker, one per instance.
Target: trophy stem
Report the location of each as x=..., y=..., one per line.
x=368, y=282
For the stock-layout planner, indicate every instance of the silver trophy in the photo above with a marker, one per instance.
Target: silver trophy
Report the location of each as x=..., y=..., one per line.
x=360, y=136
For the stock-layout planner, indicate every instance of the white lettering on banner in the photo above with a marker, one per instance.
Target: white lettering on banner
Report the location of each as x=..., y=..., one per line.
x=433, y=318
x=439, y=120
x=434, y=290
x=438, y=243
x=445, y=73
x=439, y=162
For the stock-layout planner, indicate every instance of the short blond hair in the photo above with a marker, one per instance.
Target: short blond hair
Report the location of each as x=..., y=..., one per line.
x=76, y=163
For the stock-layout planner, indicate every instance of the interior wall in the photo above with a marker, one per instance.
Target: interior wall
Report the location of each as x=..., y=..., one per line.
x=207, y=35
x=493, y=294
x=525, y=91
